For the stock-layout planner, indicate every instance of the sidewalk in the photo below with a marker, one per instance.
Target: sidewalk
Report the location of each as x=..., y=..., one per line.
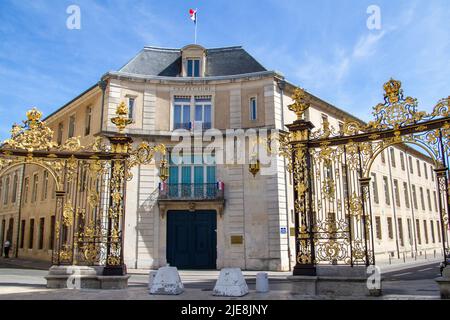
x=24, y=263
x=398, y=264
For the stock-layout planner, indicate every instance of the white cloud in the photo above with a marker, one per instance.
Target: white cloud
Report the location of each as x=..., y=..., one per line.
x=367, y=45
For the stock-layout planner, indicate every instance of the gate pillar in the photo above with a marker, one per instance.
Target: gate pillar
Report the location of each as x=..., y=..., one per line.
x=301, y=168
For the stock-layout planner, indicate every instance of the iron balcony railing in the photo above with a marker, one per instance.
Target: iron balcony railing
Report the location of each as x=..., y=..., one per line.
x=191, y=191
x=190, y=125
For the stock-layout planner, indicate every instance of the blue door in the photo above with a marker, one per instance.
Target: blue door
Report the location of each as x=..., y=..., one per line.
x=191, y=239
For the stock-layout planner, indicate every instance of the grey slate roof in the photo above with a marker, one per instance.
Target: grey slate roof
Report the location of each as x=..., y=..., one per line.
x=167, y=62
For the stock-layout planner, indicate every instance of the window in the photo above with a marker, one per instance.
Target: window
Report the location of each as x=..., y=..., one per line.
x=414, y=195
x=431, y=173
x=15, y=186
x=392, y=157
x=35, y=188
x=53, y=189
x=60, y=133
x=52, y=232
x=409, y=230
x=26, y=187
x=203, y=112
x=425, y=230
x=429, y=200
x=253, y=109
x=418, y=168
x=438, y=231
x=435, y=201
x=87, y=121
x=193, y=67
x=378, y=227
x=383, y=158
x=400, y=232
x=182, y=113
x=6, y=195
x=31, y=234
x=425, y=170
x=22, y=234
x=402, y=161
x=44, y=186
x=345, y=183
x=71, y=126
x=411, y=169
x=406, y=194
x=9, y=233
x=374, y=188
x=390, y=229
x=131, y=107
x=419, y=238
x=341, y=128
x=422, y=199
x=2, y=234
x=328, y=170
x=386, y=190
x=397, y=193
x=432, y=231
x=83, y=179
x=41, y=233
x=190, y=170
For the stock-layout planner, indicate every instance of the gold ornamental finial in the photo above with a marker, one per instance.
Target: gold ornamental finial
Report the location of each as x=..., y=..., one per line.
x=301, y=103
x=33, y=117
x=392, y=90
x=122, y=119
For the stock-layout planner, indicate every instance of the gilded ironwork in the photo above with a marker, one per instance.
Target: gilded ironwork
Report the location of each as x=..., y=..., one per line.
x=335, y=193
x=90, y=186
x=122, y=119
x=301, y=103
x=33, y=135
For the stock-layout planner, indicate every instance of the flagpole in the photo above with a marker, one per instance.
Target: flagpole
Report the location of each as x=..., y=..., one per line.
x=196, y=18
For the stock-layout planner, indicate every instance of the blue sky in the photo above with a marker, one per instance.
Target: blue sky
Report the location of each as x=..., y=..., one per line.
x=323, y=46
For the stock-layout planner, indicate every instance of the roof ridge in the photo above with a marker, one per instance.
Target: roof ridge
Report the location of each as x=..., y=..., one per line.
x=161, y=49
x=224, y=48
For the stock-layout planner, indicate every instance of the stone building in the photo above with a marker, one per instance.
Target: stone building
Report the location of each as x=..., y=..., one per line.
x=210, y=216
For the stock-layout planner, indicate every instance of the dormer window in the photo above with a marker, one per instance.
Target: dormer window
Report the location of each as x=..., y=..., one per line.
x=193, y=67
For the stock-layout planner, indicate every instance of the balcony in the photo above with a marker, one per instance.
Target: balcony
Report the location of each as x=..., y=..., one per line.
x=190, y=191
x=196, y=125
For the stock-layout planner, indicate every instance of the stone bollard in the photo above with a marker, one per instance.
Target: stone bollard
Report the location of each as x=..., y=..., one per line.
x=231, y=283
x=262, y=282
x=167, y=281
x=151, y=278
x=444, y=283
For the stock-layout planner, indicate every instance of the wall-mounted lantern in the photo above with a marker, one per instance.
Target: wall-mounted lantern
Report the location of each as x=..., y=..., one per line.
x=254, y=167
x=163, y=170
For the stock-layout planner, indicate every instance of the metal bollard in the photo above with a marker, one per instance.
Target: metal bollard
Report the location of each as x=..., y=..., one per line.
x=262, y=282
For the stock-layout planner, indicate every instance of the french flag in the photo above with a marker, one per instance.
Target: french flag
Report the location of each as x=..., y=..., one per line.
x=193, y=14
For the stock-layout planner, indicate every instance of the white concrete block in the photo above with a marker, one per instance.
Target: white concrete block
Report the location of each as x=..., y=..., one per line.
x=167, y=281
x=231, y=283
